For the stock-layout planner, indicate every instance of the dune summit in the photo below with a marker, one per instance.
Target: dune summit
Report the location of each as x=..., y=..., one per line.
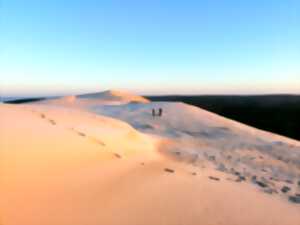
x=104, y=158
x=115, y=95
x=110, y=97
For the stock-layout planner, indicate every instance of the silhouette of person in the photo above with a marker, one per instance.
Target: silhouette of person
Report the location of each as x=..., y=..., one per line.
x=153, y=112
x=160, y=111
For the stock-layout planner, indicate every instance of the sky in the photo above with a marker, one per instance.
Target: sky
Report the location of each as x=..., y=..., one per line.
x=53, y=47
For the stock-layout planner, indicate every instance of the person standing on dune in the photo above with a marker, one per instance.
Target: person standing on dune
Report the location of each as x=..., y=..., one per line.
x=153, y=113
x=160, y=111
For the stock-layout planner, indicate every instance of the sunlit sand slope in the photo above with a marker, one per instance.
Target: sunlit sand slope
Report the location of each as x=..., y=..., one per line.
x=62, y=166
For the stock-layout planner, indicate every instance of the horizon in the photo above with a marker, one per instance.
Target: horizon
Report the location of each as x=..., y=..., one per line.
x=4, y=98
x=153, y=48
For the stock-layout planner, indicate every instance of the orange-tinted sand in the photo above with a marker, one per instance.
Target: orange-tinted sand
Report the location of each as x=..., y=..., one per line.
x=69, y=167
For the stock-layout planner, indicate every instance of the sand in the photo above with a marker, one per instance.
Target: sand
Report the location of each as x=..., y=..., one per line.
x=68, y=165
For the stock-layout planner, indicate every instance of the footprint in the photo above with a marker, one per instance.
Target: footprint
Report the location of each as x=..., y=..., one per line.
x=80, y=134
x=261, y=184
x=52, y=122
x=214, y=178
x=97, y=141
x=43, y=116
x=285, y=189
x=169, y=170
x=294, y=199
x=289, y=181
x=270, y=190
x=117, y=155
x=240, y=178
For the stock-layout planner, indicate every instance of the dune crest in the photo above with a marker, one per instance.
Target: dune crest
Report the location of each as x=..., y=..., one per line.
x=115, y=95
x=110, y=97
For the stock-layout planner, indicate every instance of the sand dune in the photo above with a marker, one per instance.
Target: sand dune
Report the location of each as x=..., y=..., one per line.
x=87, y=160
x=111, y=97
x=115, y=95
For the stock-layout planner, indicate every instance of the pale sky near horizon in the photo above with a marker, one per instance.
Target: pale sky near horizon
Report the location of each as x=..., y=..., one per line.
x=55, y=47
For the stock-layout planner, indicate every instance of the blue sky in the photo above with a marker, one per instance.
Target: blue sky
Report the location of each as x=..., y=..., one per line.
x=150, y=47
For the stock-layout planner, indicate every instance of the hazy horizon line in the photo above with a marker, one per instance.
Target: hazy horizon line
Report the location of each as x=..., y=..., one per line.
x=4, y=97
